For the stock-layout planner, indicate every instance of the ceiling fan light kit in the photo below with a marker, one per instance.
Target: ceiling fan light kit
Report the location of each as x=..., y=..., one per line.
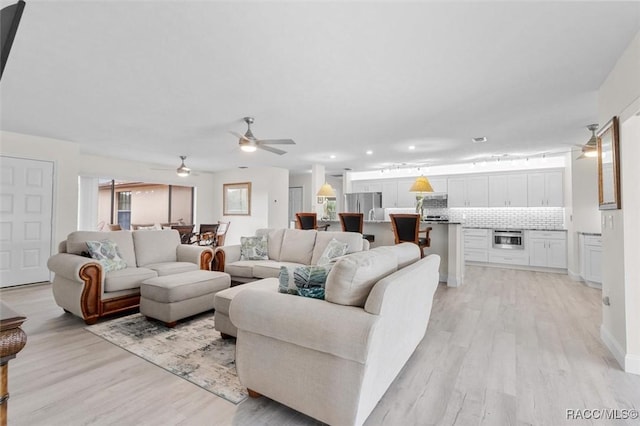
x=182, y=170
x=590, y=149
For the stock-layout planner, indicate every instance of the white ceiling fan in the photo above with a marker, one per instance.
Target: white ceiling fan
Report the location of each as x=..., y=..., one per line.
x=182, y=170
x=250, y=143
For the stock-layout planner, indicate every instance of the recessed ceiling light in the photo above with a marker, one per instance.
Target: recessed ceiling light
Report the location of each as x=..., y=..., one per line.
x=479, y=139
x=412, y=147
x=332, y=156
x=369, y=152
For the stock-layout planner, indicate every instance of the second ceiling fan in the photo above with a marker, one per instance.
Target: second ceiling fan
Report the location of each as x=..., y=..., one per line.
x=250, y=143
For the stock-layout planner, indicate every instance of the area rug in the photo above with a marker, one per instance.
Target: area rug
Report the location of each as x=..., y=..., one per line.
x=192, y=350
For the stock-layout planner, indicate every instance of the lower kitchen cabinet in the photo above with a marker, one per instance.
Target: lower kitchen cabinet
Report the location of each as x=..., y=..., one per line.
x=548, y=249
x=591, y=259
x=476, y=245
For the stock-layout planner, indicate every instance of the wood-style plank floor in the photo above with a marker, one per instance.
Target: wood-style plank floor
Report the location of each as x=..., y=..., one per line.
x=508, y=348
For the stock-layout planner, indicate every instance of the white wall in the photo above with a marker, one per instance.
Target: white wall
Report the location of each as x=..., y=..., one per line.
x=582, y=179
x=618, y=96
x=269, y=200
x=65, y=156
x=115, y=168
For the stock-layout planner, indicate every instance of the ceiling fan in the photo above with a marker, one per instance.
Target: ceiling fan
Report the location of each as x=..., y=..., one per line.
x=250, y=143
x=590, y=149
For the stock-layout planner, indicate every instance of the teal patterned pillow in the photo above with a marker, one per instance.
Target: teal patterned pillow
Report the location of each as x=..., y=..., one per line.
x=333, y=250
x=106, y=252
x=254, y=248
x=306, y=281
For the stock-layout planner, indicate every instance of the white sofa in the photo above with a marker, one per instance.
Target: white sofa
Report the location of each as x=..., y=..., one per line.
x=286, y=247
x=81, y=287
x=333, y=359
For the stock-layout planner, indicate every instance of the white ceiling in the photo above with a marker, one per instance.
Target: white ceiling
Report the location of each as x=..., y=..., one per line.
x=155, y=80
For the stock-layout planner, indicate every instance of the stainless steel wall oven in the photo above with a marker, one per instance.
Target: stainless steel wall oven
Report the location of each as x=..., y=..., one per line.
x=511, y=239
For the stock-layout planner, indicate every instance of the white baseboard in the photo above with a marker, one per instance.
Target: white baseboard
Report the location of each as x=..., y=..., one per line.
x=614, y=347
x=573, y=275
x=632, y=364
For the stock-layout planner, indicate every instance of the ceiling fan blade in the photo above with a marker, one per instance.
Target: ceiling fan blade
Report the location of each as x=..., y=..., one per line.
x=277, y=141
x=238, y=135
x=270, y=149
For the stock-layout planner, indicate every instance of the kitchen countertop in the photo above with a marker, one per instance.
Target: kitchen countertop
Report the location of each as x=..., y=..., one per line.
x=523, y=228
x=436, y=222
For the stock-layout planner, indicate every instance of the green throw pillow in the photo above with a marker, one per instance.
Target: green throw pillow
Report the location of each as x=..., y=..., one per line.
x=333, y=250
x=106, y=252
x=254, y=248
x=306, y=281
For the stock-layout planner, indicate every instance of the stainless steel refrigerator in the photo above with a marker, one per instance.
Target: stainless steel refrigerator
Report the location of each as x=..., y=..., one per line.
x=367, y=203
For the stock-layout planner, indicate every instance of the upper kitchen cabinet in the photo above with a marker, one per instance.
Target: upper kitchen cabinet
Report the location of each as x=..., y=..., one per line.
x=546, y=189
x=390, y=194
x=508, y=190
x=406, y=198
x=366, y=186
x=470, y=191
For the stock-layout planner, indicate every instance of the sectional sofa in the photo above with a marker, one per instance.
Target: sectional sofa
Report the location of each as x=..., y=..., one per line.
x=286, y=247
x=82, y=287
x=333, y=359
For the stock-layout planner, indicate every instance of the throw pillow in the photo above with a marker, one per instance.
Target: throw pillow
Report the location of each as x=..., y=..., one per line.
x=333, y=250
x=306, y=281
x=106, y=252
x=254, y=248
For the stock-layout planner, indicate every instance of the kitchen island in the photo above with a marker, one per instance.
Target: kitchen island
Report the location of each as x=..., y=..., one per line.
x=446, y=241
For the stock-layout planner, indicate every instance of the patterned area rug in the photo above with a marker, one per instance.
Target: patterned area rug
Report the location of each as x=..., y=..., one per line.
x=192, y=350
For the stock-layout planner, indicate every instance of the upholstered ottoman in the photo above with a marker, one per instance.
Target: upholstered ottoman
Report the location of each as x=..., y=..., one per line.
x=170, y=298
x=222, y=301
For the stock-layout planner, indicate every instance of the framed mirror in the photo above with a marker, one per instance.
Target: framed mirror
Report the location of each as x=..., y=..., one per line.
x=609, y=166
x=236, y=199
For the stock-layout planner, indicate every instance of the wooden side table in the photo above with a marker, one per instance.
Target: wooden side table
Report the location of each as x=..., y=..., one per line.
x=12, y=340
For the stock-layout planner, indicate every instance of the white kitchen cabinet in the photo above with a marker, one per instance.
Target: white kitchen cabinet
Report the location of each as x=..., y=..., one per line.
x=471, y=191
x=438, y=184
x=366, y=186
x=390, y=194
x=545, y=189
x=548, y=249
x=476, y=245
x=406, y=198
x=508, y=190
x=592, y=259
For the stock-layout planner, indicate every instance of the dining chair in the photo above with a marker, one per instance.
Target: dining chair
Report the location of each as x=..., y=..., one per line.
x=221, y=233
x=185, y=231
x=309, y=221
x=354, y=222
x=114, y=227
x=406, y=229
x=207, y=234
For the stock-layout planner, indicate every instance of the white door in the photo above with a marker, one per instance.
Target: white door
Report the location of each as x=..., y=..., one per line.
x=26, y=200
x=295, y=202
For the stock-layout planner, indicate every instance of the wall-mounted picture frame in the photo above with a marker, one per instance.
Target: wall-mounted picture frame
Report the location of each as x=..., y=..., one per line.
x=609, y=166
x=236, y=199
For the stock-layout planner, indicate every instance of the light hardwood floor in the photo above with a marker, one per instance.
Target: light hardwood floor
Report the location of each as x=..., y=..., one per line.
x=508, y=348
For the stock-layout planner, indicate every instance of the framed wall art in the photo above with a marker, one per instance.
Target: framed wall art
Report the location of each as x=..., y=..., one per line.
x=236, y=199
x=609, y=166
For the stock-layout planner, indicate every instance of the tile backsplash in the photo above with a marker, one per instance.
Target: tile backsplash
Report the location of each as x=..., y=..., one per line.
x=511, y=217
